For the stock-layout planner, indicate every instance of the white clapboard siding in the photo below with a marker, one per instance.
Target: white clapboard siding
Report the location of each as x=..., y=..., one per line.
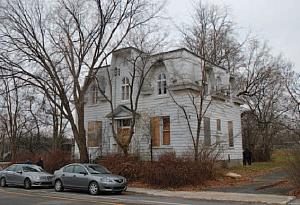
x=186, y=67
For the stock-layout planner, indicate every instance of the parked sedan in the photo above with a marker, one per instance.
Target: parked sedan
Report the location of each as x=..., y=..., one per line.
x=91, y=177
x=25, y=175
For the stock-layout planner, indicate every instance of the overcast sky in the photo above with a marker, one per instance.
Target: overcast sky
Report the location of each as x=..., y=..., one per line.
x=277, y=21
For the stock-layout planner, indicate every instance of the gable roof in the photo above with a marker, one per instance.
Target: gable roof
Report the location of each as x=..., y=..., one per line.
x=120, y=111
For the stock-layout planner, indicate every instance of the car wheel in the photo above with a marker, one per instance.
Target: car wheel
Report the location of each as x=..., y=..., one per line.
x=58, y=186
x=94, y=188
x=27, y=183
x=2, y=182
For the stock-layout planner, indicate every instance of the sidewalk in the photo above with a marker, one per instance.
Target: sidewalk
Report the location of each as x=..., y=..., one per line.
x=218, y=196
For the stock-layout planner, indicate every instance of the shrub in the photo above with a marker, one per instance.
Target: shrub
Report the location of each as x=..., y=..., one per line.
x=294, y=168
x=174, y=172
x=127, y=166
x=53, y=159
x=168, y=172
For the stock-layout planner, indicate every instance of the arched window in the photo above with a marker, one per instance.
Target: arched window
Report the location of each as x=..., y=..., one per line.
x=102, y=84
x=162, y=84
x=218, y=83
x=94, y=94
x=125, y=88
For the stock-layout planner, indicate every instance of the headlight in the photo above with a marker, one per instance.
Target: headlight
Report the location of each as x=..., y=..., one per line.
x=106, y=180
x=36, y=178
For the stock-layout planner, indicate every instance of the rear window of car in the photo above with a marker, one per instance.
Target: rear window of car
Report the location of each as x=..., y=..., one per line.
x=30, y=169
x=11, y=168
x=69, y=169
x=78, y=169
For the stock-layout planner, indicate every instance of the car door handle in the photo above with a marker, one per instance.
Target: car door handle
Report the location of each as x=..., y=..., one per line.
x=74, y=175
x=63, y=175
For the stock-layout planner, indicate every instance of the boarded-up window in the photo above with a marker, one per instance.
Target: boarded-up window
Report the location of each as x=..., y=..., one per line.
x=155, y=135
x=166, y=130
x=218, y=124
x=230, y=134
x=207, y=134
x=160, y=131
x=124, y=130
x=94, y=133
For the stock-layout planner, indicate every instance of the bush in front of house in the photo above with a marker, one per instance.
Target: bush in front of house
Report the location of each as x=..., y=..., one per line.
x=169, y=171
x=294, y=168
x=53, y=159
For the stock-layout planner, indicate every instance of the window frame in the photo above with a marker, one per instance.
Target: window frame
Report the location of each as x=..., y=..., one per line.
x=230, y=134
x=162, y=84
x=164, y=130
x=97, y=134
x=120, y=123
x=159, y=142
x=125, y=89
x=94, y=94
x=219, y=125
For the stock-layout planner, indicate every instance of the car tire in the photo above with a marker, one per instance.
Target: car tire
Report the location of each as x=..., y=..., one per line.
x=58, y=186
x=27, y=183
x=94, y=188
x=3, y=182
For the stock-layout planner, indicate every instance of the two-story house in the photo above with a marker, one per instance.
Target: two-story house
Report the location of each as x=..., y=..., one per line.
x=174, y=79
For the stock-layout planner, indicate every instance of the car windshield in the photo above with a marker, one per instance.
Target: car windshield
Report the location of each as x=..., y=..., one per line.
x=32, y=169
x=97, y=169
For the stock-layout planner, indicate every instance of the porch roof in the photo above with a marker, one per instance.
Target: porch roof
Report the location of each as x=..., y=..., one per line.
x=120, y=112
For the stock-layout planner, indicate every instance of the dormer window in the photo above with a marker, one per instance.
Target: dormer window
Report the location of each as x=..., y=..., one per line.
x=102, y=84
x=162, y=84
x=125, y=88
x=218, y=83
x=94, y=94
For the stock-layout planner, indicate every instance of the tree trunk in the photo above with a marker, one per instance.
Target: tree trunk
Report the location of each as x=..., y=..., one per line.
x=13, y=149
x=84, y=156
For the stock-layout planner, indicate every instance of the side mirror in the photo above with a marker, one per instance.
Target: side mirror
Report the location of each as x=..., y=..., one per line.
x=84, y=173
x=19, y=172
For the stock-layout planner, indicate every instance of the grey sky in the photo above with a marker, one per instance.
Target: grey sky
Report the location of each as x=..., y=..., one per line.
x=277, y=21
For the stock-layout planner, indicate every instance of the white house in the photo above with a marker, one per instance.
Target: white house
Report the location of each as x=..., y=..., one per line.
x=173, y=76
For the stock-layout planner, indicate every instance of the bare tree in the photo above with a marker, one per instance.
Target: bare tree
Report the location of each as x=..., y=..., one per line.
x=261, y=85
x=13, y=120
x=56, y=46
x=211, y=37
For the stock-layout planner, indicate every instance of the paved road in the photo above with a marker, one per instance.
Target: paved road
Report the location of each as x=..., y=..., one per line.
x=20, y=196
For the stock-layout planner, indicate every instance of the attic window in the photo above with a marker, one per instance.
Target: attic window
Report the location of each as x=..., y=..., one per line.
x=218, y=83
x=94, y=94
x=162, y=84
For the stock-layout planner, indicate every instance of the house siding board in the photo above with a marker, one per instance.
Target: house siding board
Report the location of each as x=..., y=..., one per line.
x=155, y=105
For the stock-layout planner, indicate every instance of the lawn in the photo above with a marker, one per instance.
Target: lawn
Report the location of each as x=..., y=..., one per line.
x=279, y=160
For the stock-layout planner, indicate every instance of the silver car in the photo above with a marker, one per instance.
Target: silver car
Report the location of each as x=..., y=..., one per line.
x=25, y=175
x=92, y=177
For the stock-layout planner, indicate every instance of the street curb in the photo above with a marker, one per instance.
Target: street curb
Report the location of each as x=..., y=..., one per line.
x=218, y=196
